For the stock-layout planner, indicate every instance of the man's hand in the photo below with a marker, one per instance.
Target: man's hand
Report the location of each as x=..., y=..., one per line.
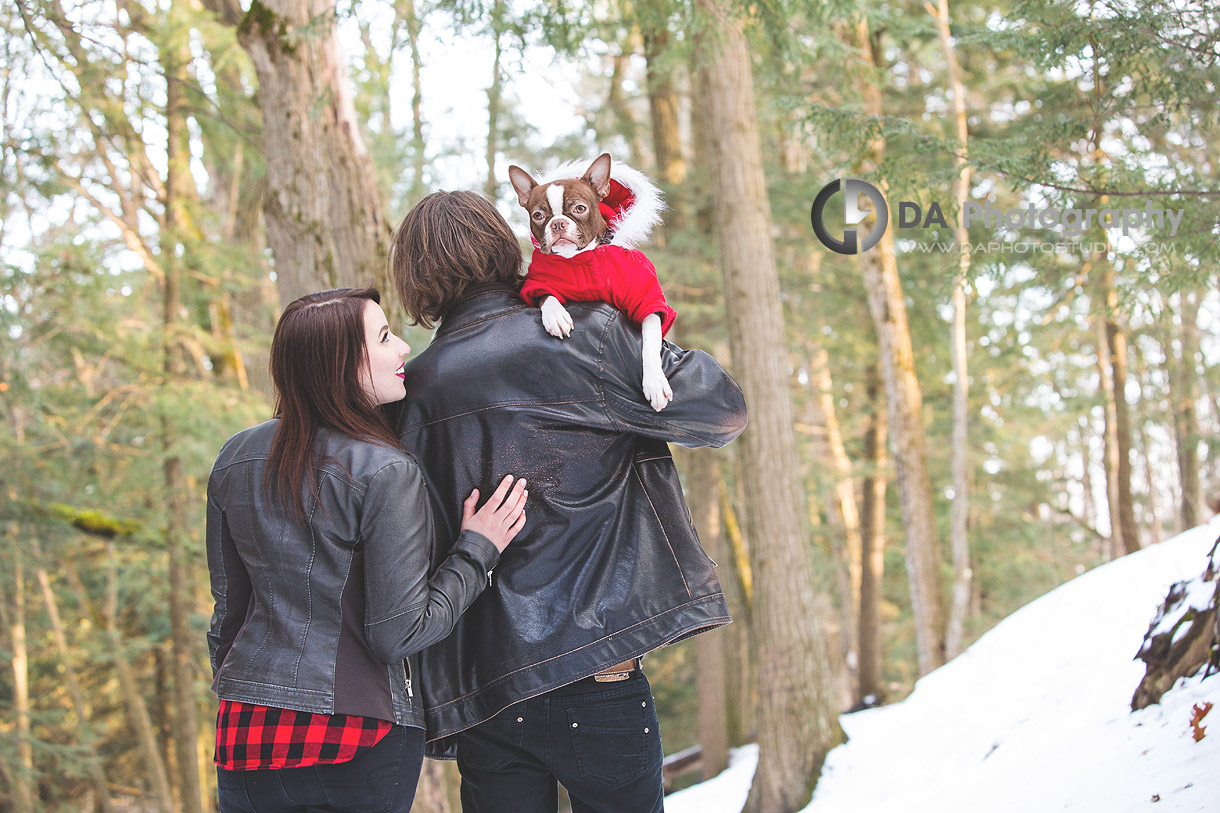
x=503, y=515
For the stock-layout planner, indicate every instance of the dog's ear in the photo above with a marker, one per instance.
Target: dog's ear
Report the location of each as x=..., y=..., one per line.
x=522, y=183
x=598, y=175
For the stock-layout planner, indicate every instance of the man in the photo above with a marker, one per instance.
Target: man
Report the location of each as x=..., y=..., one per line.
x=540, y=679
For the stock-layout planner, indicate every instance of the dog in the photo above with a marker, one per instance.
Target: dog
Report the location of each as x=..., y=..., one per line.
x=584, y=229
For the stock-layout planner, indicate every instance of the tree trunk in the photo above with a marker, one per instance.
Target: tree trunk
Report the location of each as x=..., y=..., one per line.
x=797, y=723
x=959, y=518
x=1086, y=476
x=1184, y=393
x=79, y=707
x=1122, y=424
x=495, y=95
x=23, y=773
x=411, y=18
x=887, y=305
x=872, y=546
x=844, y=512
x=324, y=212
x=1110, y=456
x=710, y=648
x=666, y=139
x=137, y=709
x=432, y=795
x=177, y=532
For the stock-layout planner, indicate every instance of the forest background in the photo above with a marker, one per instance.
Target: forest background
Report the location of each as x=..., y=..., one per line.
x=942, y=428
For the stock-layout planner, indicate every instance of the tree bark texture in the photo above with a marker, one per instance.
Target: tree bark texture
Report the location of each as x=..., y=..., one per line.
x=797, y=722
x=325, y=223
x=495, y=100
x=1110, y=436
x=411, y=20
x=904, y=398
x=1122, y=425
x=431, y=796
x=79, y=707
x=24, y=770
x=1183, y=394
x=666, y=138
x=844, y=513
x=177, y=532
x=872, y=545
x=137, y=709
x=959, y=542
x=710, y=648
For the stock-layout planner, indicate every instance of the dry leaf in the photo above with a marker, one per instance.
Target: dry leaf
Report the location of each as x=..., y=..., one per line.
x=1199, y=713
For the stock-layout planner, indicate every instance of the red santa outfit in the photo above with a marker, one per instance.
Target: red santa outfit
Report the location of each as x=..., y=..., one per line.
x=616, y=273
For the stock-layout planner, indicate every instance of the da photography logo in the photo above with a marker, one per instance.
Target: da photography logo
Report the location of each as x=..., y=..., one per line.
x=838, y=227
x=853, y=215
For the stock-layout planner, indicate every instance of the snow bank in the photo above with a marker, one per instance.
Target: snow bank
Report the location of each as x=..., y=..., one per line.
x=1034, y=717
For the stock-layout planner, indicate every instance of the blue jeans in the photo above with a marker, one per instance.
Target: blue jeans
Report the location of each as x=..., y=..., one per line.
x=380, y=780
x=601, y=740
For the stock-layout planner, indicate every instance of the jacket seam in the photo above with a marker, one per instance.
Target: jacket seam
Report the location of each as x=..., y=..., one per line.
x=480, y=320
x=313, y=554
x=601, y=373
x=489, y=407
x=270, y=598
x=661, y=525
x=374, y=622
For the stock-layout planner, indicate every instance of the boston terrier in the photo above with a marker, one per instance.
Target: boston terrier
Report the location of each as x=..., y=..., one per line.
x=584, y=229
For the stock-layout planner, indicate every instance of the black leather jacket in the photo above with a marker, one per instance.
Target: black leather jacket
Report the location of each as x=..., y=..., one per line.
x=319, y=614
x=608, y=566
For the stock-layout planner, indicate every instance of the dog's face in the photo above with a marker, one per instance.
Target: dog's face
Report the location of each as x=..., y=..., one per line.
x=564, y=216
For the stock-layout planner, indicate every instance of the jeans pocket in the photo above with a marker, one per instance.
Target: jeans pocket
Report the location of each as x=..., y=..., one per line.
x=493, y=744
x=613, y=741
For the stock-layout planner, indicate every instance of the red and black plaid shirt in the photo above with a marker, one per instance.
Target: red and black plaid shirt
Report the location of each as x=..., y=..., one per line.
x=251, y=737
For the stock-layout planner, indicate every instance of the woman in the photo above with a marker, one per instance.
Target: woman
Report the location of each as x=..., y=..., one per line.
x=319, y=534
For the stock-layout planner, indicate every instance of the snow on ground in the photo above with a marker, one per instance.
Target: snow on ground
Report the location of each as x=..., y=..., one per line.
x=1035, y=717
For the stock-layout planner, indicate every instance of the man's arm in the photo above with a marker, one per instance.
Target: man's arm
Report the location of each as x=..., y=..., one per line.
x=708, y=408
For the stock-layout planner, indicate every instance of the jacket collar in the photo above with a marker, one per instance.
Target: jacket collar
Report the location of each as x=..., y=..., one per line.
x=480, y=302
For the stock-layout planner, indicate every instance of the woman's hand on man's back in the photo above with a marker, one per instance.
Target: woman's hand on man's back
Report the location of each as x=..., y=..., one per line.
x=503, y=515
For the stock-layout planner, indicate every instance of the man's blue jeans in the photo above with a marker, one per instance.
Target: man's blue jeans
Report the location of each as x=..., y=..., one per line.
x=601, y=740
x=381, y=780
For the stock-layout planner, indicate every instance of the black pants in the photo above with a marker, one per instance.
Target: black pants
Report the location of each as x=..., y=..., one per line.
x=601, y=740
x=381, y=780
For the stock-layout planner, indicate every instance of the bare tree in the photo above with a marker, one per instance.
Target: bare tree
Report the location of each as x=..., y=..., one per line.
x=887, y=305
x=13, y=617
x=1183, y=394
x=959, y=542
x=872, y=544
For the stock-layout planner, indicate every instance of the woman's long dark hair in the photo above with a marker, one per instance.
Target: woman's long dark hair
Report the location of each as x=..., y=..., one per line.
x=317, y=355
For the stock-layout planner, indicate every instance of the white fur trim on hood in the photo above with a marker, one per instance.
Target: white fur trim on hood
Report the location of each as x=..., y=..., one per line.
x=636, y=224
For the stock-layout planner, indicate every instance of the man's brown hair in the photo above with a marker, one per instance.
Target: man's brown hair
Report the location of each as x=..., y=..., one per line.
x=449, y=243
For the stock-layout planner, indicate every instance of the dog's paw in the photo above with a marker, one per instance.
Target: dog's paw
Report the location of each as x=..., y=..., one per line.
x=556, y=319
x=657, y=389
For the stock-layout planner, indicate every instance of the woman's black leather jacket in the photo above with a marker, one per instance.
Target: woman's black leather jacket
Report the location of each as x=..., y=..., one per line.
x=321, y=614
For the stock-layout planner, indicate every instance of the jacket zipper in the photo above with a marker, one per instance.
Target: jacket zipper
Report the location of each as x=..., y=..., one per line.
x=406, y=671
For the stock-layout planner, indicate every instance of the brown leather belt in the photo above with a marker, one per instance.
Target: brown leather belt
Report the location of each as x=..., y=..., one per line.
x=614, y=674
